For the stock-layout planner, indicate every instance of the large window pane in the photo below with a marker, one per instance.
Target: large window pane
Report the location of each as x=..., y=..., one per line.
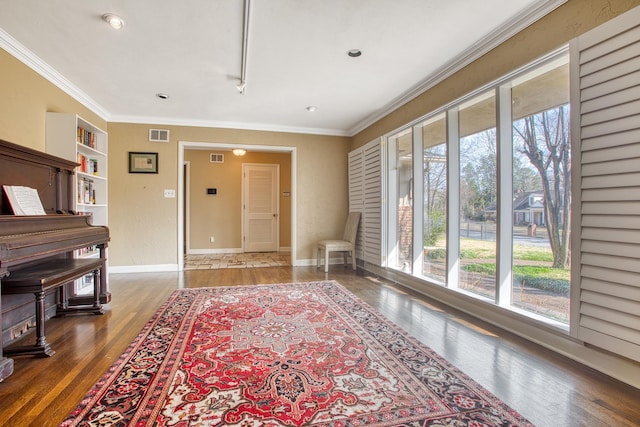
x=434, y=158
x=541, y=184
x=478, y=162
x=534, y=271
x=402, y=254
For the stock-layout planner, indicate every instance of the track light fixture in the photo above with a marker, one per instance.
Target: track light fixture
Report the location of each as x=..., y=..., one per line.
x=245, y=47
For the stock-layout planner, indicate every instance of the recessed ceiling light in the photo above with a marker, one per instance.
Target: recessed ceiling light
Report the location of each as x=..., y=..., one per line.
x=162, y=95
x=354, y=53
x=311, y=108
x=114, y=21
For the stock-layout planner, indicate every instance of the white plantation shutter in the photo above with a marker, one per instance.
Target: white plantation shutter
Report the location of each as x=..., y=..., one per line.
x=365, y=196
x=356, y=193
x=372, y=202
x=356, y=174
x=606, y=116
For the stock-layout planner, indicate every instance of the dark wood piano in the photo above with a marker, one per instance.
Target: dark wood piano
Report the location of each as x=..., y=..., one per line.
x=37, y=252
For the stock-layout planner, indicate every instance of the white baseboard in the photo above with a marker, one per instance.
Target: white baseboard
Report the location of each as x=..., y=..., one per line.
x=143, y=268
x=214, y=251
x=314, y=261
x=284, y=249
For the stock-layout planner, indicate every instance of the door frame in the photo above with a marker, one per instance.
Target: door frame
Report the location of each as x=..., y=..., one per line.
x=185, y=225
x=214, y=146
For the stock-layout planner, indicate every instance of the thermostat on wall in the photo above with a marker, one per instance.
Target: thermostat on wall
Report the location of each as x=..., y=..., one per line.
x=212, y=191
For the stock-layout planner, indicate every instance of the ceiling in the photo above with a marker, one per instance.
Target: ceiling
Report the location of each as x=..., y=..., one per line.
x=296, y=56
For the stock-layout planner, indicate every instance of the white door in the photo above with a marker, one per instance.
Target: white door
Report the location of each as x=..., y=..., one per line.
x=260, y=185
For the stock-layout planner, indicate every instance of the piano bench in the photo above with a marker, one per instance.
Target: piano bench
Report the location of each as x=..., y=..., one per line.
x=39, y=278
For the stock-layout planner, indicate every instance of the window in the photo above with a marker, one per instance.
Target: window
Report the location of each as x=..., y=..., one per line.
x=478, y=190
x=434, y=185
x=541, y=185
x=496, y=169
x=400, y=146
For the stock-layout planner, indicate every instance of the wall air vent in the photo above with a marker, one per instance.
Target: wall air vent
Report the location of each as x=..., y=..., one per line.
x=216, y=158
x=158, y=135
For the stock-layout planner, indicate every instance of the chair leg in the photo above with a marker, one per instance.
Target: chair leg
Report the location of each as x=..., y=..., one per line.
x=318, y=257
x=326, y=260
x=353, y=259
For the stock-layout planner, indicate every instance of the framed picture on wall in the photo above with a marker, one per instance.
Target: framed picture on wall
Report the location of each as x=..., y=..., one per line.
x=143, y=162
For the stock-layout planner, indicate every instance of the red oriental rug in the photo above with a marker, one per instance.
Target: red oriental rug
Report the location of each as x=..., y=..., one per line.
x=308, y=354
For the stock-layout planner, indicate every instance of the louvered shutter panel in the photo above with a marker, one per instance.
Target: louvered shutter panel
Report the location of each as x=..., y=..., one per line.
x=356, y=193
x=372, y=202
x=608, y=72
x=365, y=196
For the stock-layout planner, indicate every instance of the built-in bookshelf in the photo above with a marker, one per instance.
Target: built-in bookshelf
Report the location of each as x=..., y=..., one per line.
x=71, y=137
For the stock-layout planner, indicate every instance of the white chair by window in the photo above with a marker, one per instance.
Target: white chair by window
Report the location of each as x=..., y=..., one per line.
x=346, y=245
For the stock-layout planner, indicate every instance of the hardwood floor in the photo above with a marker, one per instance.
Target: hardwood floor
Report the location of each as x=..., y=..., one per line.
x=546, y=388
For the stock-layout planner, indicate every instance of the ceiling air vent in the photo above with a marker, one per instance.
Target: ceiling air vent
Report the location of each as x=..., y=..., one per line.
x=216, y=158
x=158, y=135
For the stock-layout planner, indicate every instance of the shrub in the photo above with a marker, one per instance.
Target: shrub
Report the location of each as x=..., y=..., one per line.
x=544, y=278
x=436, y=227
x=439, y=253
x=556, y=286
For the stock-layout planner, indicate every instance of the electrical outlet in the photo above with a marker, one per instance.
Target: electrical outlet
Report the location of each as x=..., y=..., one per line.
x=169, y=193
x=212, y=239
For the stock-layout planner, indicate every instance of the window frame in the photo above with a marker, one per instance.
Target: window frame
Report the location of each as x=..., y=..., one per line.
x=504, y=238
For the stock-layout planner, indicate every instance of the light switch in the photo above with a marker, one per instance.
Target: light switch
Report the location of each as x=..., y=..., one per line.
x=169, y=193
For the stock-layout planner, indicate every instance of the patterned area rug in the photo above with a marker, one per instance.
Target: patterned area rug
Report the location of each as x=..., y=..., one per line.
x=308, y=354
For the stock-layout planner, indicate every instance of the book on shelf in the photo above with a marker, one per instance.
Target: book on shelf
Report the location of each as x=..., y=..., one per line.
x=86, y=137
x=87, y=165
x=24, y=200
x=86, y=192
x=86, y=251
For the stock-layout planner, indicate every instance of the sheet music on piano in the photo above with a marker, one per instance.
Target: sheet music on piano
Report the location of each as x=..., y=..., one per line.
x=24, y=200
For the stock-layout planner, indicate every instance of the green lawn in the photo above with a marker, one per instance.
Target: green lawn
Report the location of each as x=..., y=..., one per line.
x=532, y=265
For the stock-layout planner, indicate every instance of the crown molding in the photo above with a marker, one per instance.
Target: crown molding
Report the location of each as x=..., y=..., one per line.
x=20, y=52
x=167, y=121
x=495, y=38
x=527, y=17
x=31, y=60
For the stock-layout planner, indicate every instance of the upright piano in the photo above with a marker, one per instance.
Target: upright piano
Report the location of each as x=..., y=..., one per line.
x=29, y=241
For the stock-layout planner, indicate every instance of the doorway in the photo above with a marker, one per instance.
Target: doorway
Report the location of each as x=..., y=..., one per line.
x=187, y=145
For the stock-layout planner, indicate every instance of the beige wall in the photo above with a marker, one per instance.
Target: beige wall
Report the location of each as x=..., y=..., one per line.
x=144, y=224
x=25, y=98
x=220, y=215
x=547, y=34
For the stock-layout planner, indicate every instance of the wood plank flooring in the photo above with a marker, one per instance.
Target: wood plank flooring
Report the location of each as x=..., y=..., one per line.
x=546, y=388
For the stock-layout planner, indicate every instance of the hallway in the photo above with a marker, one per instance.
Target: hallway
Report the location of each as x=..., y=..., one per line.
x=236, y=260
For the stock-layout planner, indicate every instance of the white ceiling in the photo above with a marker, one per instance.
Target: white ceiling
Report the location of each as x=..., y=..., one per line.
x=297, y=55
